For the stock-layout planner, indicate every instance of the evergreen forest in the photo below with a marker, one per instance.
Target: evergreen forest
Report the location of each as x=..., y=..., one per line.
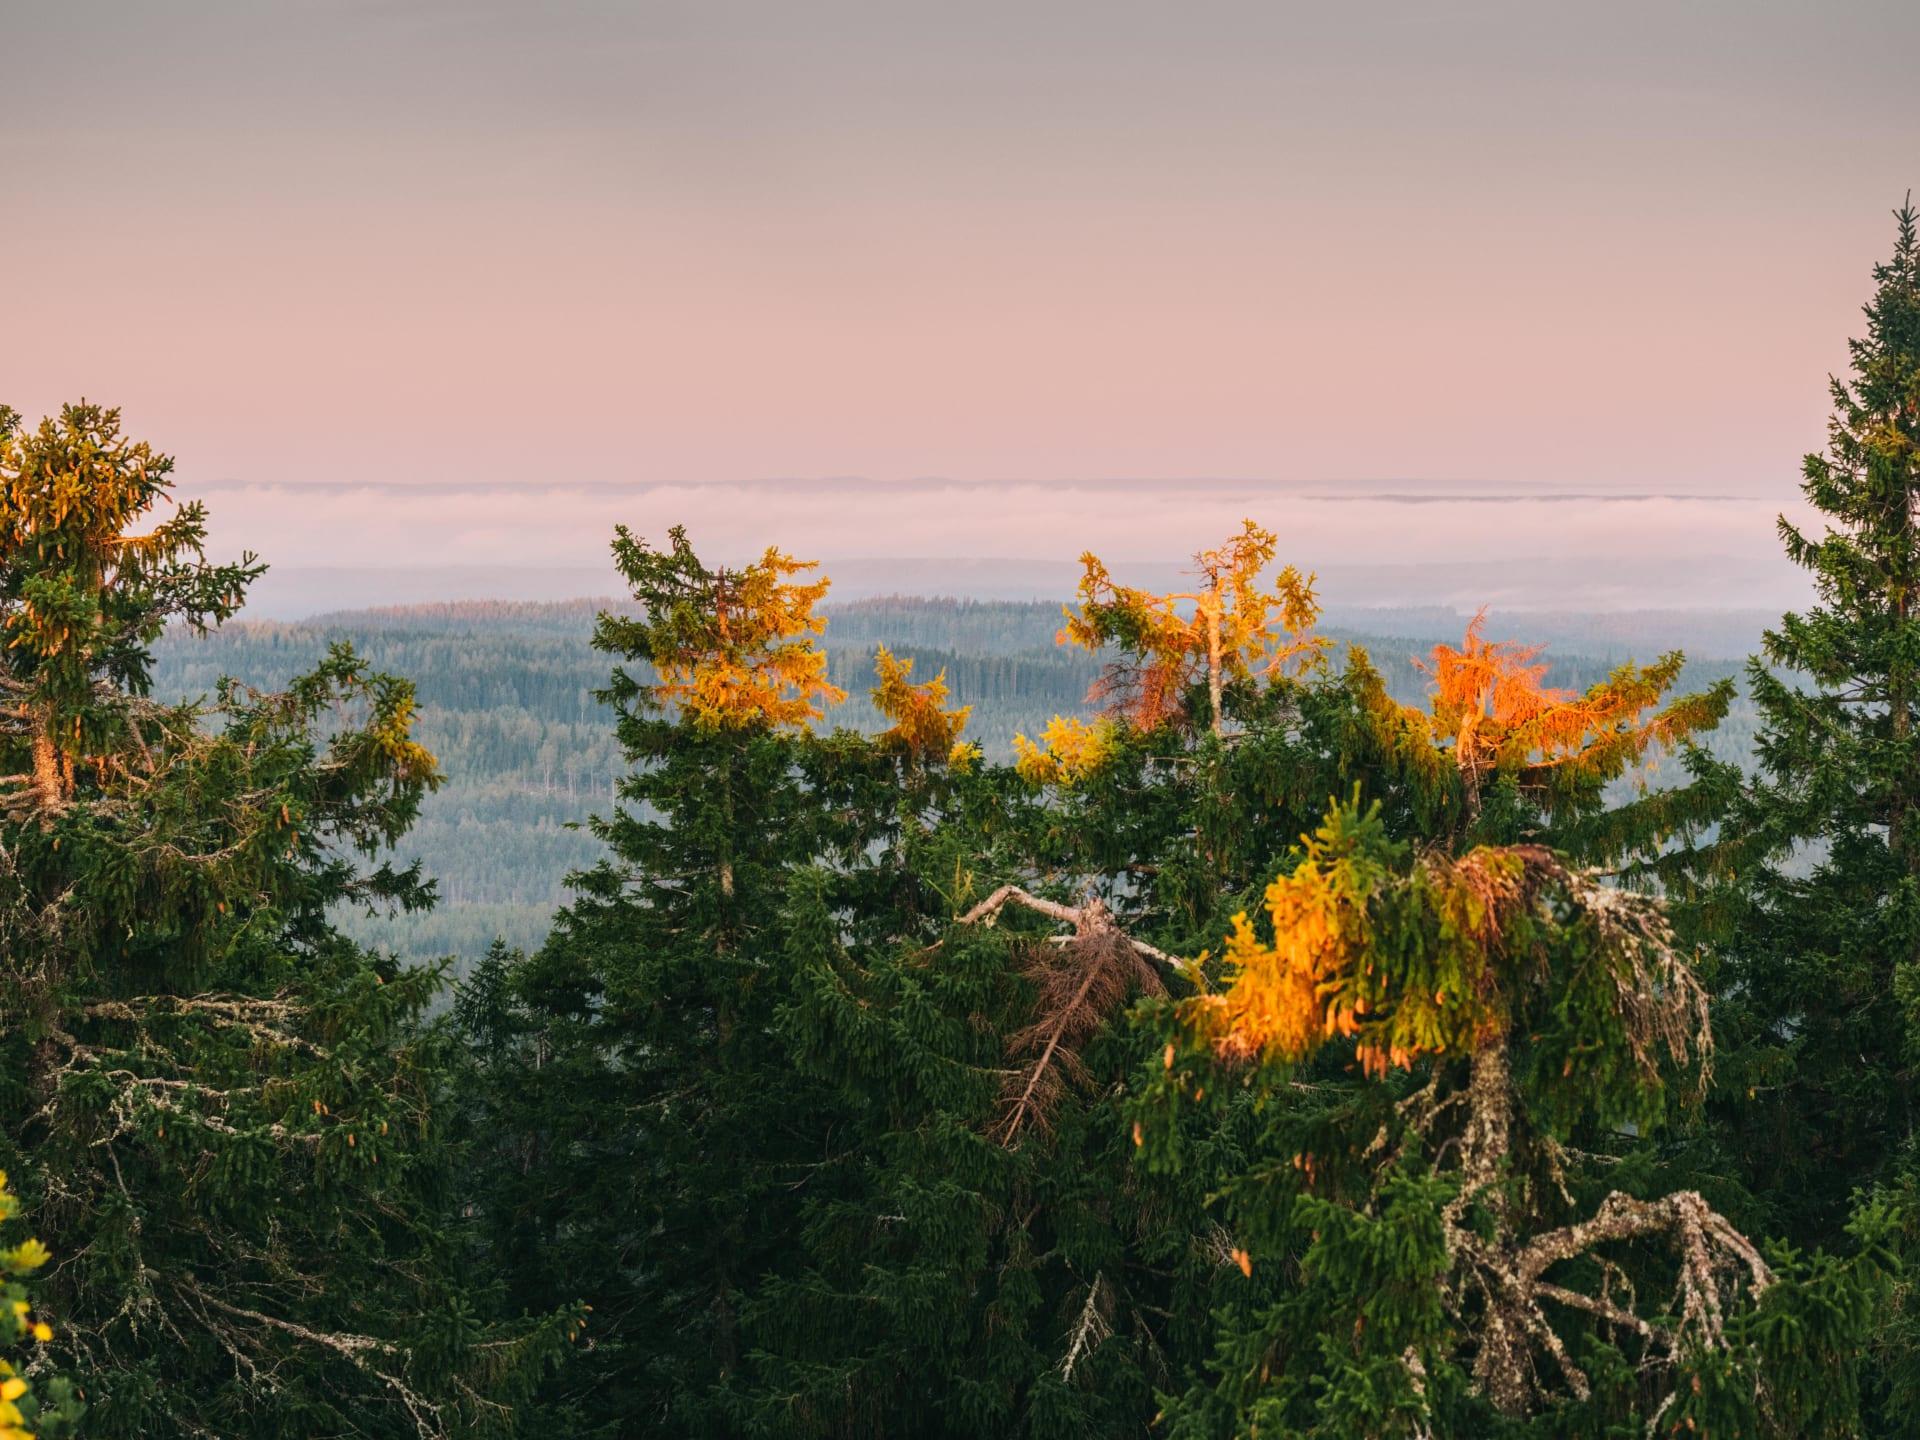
x=715, y=1012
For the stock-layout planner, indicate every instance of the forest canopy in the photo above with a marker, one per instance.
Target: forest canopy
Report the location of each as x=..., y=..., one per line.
x=1169, y=1019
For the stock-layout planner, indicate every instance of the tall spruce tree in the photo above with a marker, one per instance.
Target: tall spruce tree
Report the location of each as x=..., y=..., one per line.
x=1468, y=1236
x=225, y=1116
x=660, y=1183
x=1814, y=908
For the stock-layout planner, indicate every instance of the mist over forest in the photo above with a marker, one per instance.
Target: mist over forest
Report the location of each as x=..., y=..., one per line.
x=1013, y=721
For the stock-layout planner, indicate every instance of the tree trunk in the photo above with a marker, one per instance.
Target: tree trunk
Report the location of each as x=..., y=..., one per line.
x=50, y=787
x=1490, y=1125
x=1214, y=680
x=1900, y=710
x=1501, y=1366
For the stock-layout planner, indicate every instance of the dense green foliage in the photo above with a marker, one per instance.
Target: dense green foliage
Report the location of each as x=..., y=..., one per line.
x=1293, y=1040
x=1813, y=902
x=223, y=1114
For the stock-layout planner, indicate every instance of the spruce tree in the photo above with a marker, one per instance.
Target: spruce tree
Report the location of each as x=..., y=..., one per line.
x=1814, y=901
x=667, y=1167
x=1446, y=1224
x=226, y=1117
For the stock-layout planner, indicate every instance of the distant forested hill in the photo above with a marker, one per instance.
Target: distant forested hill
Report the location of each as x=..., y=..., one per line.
x=506, y=695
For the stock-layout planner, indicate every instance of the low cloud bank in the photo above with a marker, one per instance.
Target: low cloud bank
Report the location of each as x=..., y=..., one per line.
x=1397, y=545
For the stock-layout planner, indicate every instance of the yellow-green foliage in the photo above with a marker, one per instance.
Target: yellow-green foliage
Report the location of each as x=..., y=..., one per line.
x=923, y=726
x=1329, y=970
x=732, y=648
x=1069, y=751
x=18, y=1323
x=1227, y=629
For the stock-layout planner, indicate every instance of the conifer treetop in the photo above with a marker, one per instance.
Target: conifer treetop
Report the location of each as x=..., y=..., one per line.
x=1491, y=715
x=733, y=649
x=1859, y=644
x=1228, y=628
x=81, y=596
x=923, y=727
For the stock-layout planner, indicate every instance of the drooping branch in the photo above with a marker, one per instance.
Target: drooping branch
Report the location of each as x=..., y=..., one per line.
x=378, y=1359
x=1079, y=985
x=268, y=1022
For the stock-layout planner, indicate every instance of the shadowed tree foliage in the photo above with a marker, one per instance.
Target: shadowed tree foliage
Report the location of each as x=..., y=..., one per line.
x=1812, y=899
x=226, y=1117
x=660, y=1173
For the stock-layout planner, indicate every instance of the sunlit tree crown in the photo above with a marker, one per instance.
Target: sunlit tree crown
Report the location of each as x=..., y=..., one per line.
x=923, y=726
x=81, y=595
x=1491, y=716
x=1227, y=629
x=1433, y=956
x=731, y=648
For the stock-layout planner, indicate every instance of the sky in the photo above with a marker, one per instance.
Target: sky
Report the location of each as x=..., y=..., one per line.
x=462, y=281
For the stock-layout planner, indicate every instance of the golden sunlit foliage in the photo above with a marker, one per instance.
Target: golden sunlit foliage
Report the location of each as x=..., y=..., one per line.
x=1326, y=971
x=922, y=725
x=1428, y=957
x=1491, y=714
x=1320, y=977
x=1228, y=629
x=732, y=648
x=1069, y=751
x=80, y=598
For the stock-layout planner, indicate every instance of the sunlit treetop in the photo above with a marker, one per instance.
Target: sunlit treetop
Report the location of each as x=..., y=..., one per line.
x=1491, y=714
x=1227, y=629
x=1539, y=1002
x=730, y=648
x=923, y=727
x=83, y=594
x=1069, y=751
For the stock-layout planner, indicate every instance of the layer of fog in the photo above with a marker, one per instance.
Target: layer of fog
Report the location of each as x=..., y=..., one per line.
x=1400, y=544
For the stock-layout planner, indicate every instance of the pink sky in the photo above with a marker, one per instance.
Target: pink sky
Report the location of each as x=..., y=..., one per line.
x=1597, y=247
